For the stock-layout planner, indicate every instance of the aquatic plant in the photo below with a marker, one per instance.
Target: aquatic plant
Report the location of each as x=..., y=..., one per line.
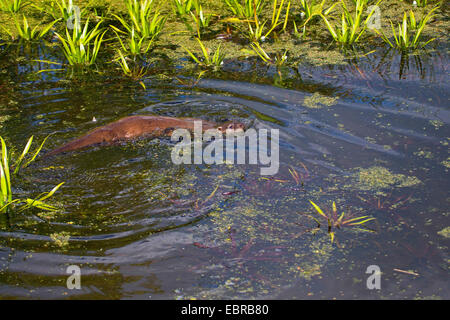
x=25, y=32
x=310, y=9
x=6, y=194
x=246, y=9
x=409, y=32
x=335, y=221
x=352, y=27
x=78, y=47
x=136, y=72
x=134, y=44
x=182, y=8
x=144, y=20
x=420, y=3
x=200, y=19
x=60, y=9
x=215, y=61
x=278, y=60
x=12, y=5
x=256, y=29
x=299, y=178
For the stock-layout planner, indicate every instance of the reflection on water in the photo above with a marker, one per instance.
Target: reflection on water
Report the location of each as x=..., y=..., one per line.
x=371, y=136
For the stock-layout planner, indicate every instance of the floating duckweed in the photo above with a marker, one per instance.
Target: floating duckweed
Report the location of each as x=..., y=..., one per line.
x=61, y=239
x=446, y=163
x=445, y=232
x=375, y=178
x=424, y=154
x=436, y=123
x=317, y=100
x=312, y=260
x=3, y=119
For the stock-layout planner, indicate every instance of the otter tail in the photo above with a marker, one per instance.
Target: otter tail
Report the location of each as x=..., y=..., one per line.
x=96, y=137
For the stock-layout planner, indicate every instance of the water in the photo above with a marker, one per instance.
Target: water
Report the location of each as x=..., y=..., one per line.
x=371, y=135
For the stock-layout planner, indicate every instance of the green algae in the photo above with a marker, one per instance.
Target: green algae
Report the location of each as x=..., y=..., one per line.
x=446, y=163
x=4, y=119
x=318, y=100
x=378, y=178
x=445, y=232
x=60, y=239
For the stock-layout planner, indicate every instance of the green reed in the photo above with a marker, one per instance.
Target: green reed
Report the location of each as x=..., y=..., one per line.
x=13, y=5
x=246, y=9
x=182, y=8
x=201, y=19
x=279, y=59
x=65, y=10
x=310, y=9
x=25, y=32
x=135, y=71
x=257, y=30
x=134, y=44
x=147, y=22
x=7, y=201
x=82, y=46
x=208, y=61
x=352, y=26
x=409, y=32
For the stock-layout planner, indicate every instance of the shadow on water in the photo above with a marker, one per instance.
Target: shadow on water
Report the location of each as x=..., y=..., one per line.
x=371, y=135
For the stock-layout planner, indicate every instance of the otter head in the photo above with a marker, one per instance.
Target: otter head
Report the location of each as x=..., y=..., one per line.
x=232, y=128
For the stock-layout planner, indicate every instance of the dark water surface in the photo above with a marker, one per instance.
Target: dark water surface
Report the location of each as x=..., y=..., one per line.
x=372, y=136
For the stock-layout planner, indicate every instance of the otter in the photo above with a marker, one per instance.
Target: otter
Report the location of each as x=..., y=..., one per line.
x=138, y=126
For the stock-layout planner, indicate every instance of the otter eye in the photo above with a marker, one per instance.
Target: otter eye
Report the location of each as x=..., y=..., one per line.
x=220, y=128
x=230, y=126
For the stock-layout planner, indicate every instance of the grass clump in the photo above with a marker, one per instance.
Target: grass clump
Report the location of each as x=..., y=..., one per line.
x=12, y=5
x=409, y=32
x=352, y=26
x=82, y=46
x=7, y=201
x=208, y=61
x=25, y=32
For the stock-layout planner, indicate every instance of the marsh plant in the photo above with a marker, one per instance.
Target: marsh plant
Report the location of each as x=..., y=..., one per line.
x=246, y=9
x=208, y=61
x=310, y=9
x=147, y=22
x=182, y=8
x=352, y=26
x=25, y=32
x=133, y=44
x=9, y=171
x=335, y=221
x=134, y=71
x=279, y=59
x=257, y=30
x=81, y=47
x=408, y=35
x=65, y=10
x=200, y=18
x=13, y=5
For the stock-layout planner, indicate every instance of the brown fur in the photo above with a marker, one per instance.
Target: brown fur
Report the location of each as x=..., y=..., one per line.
x=134, y=127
